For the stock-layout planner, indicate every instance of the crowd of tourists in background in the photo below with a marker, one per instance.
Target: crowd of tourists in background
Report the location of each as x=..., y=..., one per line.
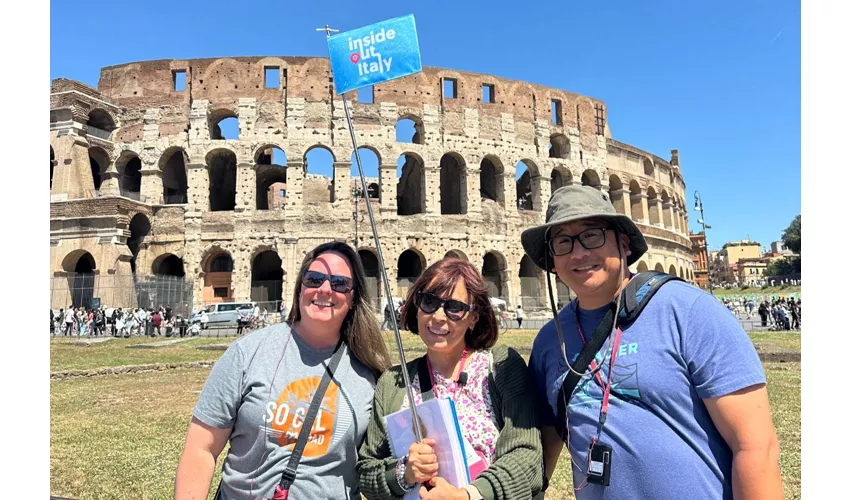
x=118, y=322
x=776, y=313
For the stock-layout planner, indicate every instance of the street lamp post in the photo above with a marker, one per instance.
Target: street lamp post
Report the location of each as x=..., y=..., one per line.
x=701, y=220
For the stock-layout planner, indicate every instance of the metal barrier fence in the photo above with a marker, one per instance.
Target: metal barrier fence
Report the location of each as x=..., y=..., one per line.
x=147, y=291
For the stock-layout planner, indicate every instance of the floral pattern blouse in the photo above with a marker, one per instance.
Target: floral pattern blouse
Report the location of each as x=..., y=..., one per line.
x=474, y=407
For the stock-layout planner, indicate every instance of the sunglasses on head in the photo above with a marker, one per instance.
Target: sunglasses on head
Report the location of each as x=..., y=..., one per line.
x=314, y=279
x=428, y=303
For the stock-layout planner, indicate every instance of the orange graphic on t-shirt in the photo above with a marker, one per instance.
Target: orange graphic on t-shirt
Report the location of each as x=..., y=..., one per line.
x=288, y=412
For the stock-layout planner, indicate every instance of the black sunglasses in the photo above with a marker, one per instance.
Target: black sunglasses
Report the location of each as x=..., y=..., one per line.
x=589, y=238
x=428, y=303
x=314, y=279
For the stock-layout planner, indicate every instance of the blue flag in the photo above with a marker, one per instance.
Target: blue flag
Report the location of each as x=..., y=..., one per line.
x=375, y=53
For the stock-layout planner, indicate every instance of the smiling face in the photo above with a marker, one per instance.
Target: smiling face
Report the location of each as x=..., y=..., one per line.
x=324, y=306
x=442, y=334
x=592, y=274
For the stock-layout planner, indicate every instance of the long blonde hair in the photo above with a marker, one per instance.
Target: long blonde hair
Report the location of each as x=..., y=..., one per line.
x=360, y=328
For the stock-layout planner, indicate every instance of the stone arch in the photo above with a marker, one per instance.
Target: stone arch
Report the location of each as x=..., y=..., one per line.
x=140, y=228
x=636, y=195
x=129, y=167
x=682, y=272
x=100, y=123
x=319, y=182
x=82, y=266
x=528, y=186
x=223, y=118
x=521, y=94
x=175, y=184
x=530, y=284
x=648, y=168
x=370, y=158
x=99, y=162
x=560, y=177
x=453, y=191
x=218, y=276
x=221, y=163
x=494, y=272
x=168, y=264
x=590, y=178
x=615, y=191
x=652, y=203
x=372, y=269
x=410, y=129
x=559, y=146
x=267, y=279
x=666, y=210
x=659, y=267
x=456, y=254
x=411, y=194
x=492, y=177
x=672, y=270
x=79, y=259
x=642, y=267
x=411, y=264
x=270, y=165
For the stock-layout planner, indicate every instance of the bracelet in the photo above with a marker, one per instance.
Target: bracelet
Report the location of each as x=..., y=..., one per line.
x=400, y=467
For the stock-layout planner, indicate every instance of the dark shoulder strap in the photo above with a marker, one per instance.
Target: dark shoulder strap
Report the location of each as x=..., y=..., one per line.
x=425, y=385
x=639, y=292
x=295, y=457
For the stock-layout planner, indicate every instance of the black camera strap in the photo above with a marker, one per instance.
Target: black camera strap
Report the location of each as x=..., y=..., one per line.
x=288, y=476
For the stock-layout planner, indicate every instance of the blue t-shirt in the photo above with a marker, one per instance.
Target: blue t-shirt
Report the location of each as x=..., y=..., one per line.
x=684, y=347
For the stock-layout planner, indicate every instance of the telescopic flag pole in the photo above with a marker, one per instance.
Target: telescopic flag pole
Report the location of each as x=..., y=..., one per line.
x=416, y=423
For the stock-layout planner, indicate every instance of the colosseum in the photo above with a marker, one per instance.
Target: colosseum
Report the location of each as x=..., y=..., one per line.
x=152, y=202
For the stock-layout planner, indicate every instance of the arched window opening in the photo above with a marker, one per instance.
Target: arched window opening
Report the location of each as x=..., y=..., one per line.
x=452, y=184
x=492, y=180
x=666, y=210
x=99, y=162
x=267, y=280
x=410, y=130
x=222, y=172
x=82, y=282
x=591, y=178
x=373, y=277
x=319, y=181
x=218, y=279
x=371, y=162
x=456, y=254
x=224, y=125
x=530, y=283
x=659, y=268
x=175, y=185
x=140, y=227
x=410, y=197
x=171, y=266
x=642, y=267
x=559, y=146
x=648, y=169
x=560, y=177
x=615, y=189
x=492, y=271
x=527, y=186
x=635, y=199
x=271, y=179
x=130, y=178
x=672, y=270
x=653, y=204
x=410, y=267
x=100, y=124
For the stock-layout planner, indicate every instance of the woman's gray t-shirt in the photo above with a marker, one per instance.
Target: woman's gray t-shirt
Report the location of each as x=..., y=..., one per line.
x=266, y=416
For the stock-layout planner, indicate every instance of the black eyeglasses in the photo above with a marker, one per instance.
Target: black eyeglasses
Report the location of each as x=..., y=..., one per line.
x=589, y=238
x=428, y=303
x=314, y=279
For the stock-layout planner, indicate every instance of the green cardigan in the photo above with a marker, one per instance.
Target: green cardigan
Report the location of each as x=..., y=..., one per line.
x=517, y=468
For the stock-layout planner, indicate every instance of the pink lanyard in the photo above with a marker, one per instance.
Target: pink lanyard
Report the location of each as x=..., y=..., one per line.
x=431, y=371
x=606, y=387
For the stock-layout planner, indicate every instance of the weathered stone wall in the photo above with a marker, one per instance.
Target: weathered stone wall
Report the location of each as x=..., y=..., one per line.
x=153, y=120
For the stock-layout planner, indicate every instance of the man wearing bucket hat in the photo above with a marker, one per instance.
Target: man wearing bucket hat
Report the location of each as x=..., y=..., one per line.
x=673, y=405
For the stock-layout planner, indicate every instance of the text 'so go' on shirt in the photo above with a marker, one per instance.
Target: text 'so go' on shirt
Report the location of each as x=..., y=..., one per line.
x=266, y=416
x=684, y=347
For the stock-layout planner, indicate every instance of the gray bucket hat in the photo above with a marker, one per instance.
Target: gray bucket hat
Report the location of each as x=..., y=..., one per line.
x=571, y=203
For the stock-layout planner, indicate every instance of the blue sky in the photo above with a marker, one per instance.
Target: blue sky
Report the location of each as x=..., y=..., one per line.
x=719, y=81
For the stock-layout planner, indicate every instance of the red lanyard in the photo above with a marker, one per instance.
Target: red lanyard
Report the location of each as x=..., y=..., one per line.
x=431, y=371
x=606, y=387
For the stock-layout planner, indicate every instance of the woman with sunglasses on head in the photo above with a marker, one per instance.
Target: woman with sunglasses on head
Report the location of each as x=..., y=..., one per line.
x=450, y=309
x=261, y=391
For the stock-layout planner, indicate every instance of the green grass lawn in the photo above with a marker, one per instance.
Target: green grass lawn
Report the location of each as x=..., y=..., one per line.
x=120, y=436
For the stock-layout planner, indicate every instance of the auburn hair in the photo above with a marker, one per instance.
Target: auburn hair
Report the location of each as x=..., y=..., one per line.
x=440, y=279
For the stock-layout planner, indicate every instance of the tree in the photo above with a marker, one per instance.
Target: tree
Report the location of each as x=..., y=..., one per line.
x=791, y=235
x=783, y=267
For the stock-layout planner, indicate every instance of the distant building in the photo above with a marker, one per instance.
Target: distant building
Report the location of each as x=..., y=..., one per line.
x=727, y=268
x=751, y=271
x=779, y=247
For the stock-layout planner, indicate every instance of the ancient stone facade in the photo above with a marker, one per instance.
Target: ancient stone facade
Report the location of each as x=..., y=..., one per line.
x=142, y=180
